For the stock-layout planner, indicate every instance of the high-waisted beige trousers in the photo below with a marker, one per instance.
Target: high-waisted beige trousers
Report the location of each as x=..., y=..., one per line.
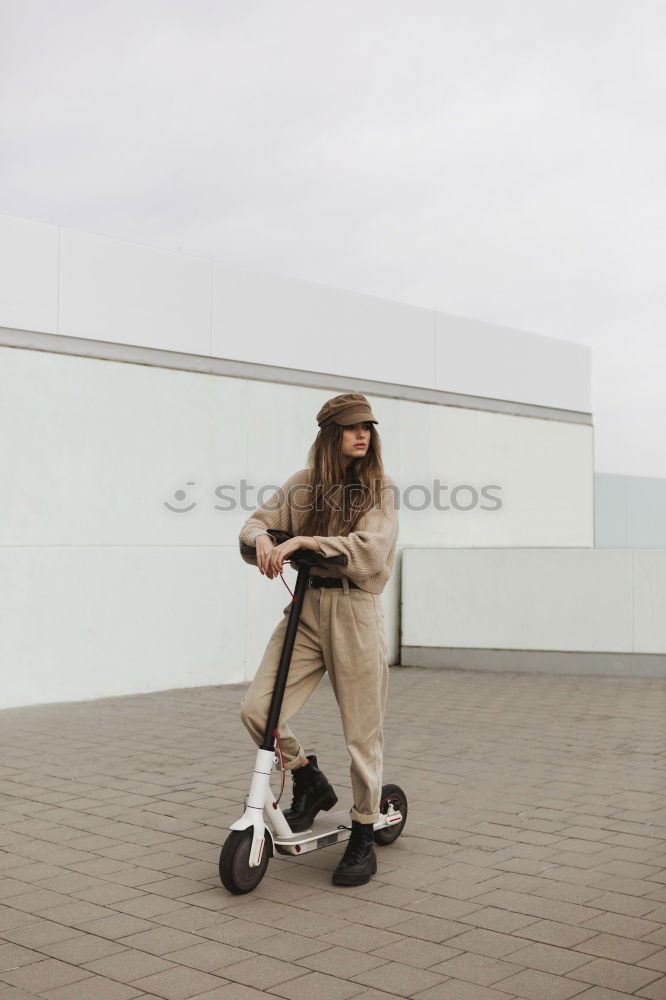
x=341, y=630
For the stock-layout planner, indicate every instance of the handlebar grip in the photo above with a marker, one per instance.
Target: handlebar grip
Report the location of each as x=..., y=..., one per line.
x=305, y=556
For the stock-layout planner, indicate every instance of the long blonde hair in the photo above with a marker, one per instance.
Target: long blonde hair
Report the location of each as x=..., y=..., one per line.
x=353, y=490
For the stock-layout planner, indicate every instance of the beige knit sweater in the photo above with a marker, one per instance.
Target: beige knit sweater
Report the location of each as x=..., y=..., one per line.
x=370, y=550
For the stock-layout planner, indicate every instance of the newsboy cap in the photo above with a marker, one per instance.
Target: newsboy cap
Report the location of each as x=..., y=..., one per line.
x=348, y=408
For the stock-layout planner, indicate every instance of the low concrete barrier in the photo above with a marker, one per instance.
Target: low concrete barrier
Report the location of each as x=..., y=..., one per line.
x=560, y=610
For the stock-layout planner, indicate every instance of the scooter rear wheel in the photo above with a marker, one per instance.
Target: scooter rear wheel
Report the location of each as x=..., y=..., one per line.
x=235, y=871
x=395, y=795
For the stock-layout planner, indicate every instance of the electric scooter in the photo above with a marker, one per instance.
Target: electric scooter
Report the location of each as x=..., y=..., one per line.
x=263, y=830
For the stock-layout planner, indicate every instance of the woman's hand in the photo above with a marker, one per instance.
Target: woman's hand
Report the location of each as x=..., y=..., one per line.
x=271, y=558
x=263, y=547
x=280, y=553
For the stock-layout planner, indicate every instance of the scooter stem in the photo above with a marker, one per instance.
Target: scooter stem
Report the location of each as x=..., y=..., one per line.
x=285, y=658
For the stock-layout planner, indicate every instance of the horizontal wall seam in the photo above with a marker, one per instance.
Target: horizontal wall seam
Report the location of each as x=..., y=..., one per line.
x=101, y=350
x=520, y=650
x=611, y=664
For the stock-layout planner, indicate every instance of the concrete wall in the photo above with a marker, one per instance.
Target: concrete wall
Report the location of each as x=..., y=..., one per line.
x=566, y=610
x=106, y=591
x=630, y=511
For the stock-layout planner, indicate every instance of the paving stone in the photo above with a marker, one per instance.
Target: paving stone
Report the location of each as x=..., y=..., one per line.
x=40, y=976
x=490, y=943
x=600, y=993
x=148, y=906
x=547, y=958
x=375, y=915
x=81, y=949
x=209, y=956
x=317, y=985
x=655, y=961
x=116, y=927
x=366, y=939
x=495, y=919
x=288, y=947
x=161, y=940
x=243, y=933
x=13, y=956
x=451, y=909
x=541, y=986
x=189, y=918
x=77, y=913
x=655, y=991
x=127, y=965
x=615, y=975
x=479, y=969
x=341, y=962
x=412, y=951
x=39, y=933
x=232, y=991
x=179, y=983
x=429, y=928
x=96, y=988
x=262, y=971
x=618, y=948
x=395, y=977
x=623, y=926
x=459, y=989
x=555, y=933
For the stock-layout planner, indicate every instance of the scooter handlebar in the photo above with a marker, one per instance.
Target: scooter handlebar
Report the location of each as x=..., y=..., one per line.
x=302, y=557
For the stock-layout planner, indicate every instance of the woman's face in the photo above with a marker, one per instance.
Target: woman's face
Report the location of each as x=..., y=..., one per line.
x=356, y=440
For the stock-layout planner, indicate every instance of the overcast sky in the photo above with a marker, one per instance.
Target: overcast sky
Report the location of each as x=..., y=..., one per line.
x=499, y=159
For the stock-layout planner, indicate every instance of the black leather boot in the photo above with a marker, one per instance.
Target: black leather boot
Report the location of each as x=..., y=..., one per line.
x=312, y=792
x=359, y=862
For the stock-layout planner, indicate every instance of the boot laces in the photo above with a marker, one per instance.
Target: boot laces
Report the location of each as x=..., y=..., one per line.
x=356, y=845
x=300, y=784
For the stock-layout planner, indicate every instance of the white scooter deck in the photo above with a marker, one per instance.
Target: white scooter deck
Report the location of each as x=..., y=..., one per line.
x=327, y=828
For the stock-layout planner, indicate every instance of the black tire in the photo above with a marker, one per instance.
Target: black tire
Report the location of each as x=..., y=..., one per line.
x=235, y=872
x=389, y=834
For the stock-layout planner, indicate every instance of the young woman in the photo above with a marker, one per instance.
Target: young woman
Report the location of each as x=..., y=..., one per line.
x=343, y=503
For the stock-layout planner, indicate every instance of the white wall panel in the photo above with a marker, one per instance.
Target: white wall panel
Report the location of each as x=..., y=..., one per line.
x=82, y=622
x=99, y=447
x=543, y=469
x=496, y=361
x=649, y=569
x=629, y=511
x=28, y=275
x=300, y=324
x=538, y=599
x=131, y=294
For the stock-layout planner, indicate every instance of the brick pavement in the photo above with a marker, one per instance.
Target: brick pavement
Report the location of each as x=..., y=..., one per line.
x=533, y=863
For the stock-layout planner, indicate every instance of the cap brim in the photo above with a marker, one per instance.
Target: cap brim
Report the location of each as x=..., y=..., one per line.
x=355, y=417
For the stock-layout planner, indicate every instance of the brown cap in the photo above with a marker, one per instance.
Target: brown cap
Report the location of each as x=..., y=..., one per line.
x=349, y=408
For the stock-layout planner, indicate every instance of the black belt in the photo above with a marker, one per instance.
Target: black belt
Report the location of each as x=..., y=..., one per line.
x=328, y=581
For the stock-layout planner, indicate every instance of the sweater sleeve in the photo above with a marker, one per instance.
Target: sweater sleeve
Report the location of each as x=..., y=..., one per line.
x=275, y=513
x=368, y=548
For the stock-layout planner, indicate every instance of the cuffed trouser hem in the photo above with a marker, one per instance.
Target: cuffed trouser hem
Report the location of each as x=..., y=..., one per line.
x=300, y=761
x=363, y=817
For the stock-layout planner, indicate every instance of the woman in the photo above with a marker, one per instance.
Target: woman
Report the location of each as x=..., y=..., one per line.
x=343, y=503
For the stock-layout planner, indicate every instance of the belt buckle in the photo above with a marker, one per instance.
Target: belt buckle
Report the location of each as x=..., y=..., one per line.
x=310, y=584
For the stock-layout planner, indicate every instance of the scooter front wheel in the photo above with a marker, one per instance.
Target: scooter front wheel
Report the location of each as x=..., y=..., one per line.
x=392, y=795
x=235, y=871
